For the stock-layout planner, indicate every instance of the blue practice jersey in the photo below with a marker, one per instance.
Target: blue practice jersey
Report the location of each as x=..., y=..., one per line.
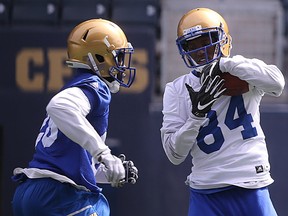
x=59, y=154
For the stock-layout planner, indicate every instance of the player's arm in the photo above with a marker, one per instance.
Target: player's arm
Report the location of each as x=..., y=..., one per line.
x=267, y=78
x=178, y=132
x=131, y=173
x=177, y=144
x=68, y=110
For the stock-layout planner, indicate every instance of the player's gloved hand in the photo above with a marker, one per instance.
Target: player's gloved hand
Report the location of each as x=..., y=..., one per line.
x=131, y=172
x=115, y=169
x=213, y=69
x=203, y=100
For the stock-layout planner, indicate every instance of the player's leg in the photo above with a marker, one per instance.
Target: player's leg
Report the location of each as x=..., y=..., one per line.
x=50, y=197
x=18, y=199
x=232, y=202
x=202, y=204
x=100, y=206
x=253, y=201
x=90, y=205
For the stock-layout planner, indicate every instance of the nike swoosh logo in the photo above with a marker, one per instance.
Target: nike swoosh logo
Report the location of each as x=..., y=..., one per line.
x=202, y=107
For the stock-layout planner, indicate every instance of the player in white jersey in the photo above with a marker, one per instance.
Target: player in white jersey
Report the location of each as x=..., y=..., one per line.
x=71, y=156
x=230, y=167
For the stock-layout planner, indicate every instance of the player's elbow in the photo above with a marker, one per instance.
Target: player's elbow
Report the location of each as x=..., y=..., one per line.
x=51, y=106
x=277, y=89
x=175, y=161
x=174, y=158
x=280, y=88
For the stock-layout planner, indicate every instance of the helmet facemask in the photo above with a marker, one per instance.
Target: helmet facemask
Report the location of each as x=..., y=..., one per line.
x=210, y=41
x=122, y=72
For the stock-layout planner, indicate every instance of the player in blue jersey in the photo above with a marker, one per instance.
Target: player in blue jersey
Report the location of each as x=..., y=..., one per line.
x=71, y=156
x=220, y=128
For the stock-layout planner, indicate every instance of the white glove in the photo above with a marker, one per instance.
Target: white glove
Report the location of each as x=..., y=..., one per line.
x=115, y=169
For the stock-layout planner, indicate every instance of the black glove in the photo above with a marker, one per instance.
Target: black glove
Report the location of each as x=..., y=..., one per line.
x=212, y=70
x=203, y=100
x=131, y=172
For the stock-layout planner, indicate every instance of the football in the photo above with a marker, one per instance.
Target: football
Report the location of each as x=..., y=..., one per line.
x=234, y=85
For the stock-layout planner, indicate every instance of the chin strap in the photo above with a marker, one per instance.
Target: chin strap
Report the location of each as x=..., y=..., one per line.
x=114, y=86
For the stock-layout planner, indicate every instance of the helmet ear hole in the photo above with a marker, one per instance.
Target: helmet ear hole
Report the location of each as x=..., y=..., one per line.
x=99, y=58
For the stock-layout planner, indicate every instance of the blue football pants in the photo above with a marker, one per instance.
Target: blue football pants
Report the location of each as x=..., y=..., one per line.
x=232, y=202
x=48, y=197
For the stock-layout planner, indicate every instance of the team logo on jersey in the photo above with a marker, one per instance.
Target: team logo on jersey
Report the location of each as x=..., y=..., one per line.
x=259, y=169
x=95, y=85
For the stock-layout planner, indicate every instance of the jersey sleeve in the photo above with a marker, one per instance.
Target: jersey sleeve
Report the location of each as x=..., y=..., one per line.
x=68, y=110
x=266, y=78
x=178, y=132
x=101, y=174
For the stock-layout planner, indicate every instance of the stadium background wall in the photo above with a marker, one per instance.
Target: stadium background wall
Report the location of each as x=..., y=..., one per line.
x=33, y=69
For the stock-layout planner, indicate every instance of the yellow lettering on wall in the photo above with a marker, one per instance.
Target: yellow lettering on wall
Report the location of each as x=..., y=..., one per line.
x=141, y=82
x=57, y=69
x=30, y=80
x=24, y=80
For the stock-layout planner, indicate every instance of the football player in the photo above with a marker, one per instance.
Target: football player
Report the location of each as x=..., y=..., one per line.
x=221, y=130
x=71, y=156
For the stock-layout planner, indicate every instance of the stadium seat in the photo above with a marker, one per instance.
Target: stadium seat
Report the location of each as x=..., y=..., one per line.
x=76, y=11
x=285, y=16
x=5, y=11
x=144, y=12
x=35, y=12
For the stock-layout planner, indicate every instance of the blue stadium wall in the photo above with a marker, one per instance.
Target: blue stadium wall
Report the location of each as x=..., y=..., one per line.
x=33, y=69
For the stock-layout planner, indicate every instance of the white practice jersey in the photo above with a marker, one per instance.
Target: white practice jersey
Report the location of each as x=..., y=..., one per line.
x=228, y=145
